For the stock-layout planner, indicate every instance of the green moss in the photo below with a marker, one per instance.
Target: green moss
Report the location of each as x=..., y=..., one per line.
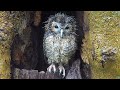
x=105, y=32
x=9, y=22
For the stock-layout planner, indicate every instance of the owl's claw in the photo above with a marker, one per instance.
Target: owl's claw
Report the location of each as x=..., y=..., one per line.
x=52, y=66
x=61, y=70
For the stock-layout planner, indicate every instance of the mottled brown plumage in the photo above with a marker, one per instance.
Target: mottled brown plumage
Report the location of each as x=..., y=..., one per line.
x=59, y=41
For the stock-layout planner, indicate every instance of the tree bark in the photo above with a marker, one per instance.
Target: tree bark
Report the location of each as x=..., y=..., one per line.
x=85, y=51
x=12, y=23
x=104, y=36
x=73, y=73
x=100, y=49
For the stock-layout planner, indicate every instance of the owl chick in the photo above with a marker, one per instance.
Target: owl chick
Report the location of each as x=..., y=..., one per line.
x=59, y=41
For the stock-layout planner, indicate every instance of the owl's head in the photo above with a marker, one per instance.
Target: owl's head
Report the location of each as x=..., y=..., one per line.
x=61, y=24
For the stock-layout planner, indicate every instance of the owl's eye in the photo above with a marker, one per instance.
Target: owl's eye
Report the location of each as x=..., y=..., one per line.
x=67, y=27
x=56, y=26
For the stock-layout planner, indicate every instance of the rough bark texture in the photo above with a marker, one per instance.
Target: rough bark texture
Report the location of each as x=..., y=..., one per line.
x=86, y=46
x=74, y=73
x=105, y=39
x=23, y=53
x=11, y=22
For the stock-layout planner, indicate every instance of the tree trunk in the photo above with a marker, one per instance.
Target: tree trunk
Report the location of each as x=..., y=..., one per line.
x=85, y=51
x=99, y=53
x=105, y=40
x=12, y=23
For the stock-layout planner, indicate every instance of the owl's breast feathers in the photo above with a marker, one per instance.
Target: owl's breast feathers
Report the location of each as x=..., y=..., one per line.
x=59, y=50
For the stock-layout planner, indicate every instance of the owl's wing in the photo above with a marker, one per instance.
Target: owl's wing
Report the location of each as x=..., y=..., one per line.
x=44, y=45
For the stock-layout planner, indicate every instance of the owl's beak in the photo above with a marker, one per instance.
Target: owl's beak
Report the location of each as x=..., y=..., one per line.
x=61, y=33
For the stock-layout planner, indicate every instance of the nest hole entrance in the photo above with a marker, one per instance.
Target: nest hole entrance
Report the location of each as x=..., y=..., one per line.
x=42, y=64
x=35, y=55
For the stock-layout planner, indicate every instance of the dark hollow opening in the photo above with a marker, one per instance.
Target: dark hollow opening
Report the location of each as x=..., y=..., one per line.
x=37, y=41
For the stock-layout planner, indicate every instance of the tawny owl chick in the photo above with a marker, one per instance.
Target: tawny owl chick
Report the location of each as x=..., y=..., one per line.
x=59, y=41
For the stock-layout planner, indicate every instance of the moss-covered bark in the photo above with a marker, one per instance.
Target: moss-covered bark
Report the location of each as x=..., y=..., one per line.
x=11, y=22
x=86, y=46
x=105, y=35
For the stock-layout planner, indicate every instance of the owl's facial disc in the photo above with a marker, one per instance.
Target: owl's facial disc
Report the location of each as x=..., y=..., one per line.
x=60, y=29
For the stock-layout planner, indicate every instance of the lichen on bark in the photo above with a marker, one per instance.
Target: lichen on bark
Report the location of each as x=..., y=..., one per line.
x=105, y=34
x=11, y=22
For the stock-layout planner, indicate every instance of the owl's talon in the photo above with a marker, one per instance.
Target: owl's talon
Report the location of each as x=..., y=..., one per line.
x=52, y=66
x=62, y=70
